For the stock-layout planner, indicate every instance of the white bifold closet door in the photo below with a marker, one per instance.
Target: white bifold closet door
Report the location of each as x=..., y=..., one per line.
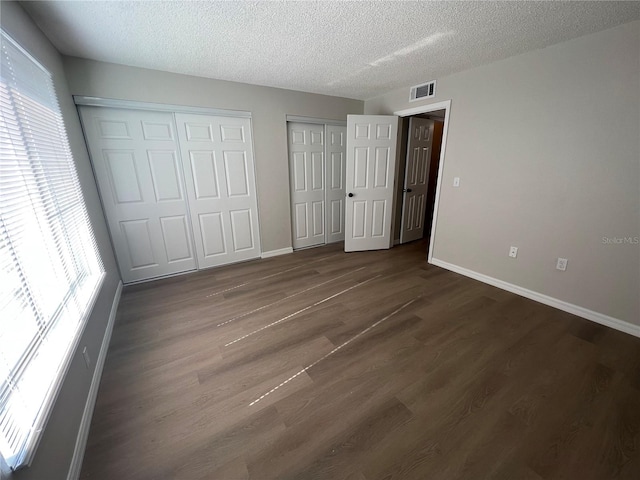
x=317, y=179
x=306, y=170
x=217, y=156
x=136, y=161
x=178, y=190
x=336, y=149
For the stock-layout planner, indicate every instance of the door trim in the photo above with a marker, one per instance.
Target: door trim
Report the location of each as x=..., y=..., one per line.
x=432, y=107
x=157, y=107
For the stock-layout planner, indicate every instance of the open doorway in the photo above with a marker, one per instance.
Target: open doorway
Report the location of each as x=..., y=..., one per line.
x=430, y=109
x=420, y=135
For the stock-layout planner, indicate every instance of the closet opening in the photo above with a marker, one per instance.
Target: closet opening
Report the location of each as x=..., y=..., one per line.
x=317, y=153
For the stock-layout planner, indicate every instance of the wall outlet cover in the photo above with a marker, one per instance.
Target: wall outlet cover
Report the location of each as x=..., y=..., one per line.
x=561, y=264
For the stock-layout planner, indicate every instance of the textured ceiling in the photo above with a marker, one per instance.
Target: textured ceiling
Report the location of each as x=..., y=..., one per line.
x=350, y=49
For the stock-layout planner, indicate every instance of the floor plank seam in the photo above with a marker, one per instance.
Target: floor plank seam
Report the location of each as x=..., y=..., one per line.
x=287, y=297
x=339, y=347
x=302, y=310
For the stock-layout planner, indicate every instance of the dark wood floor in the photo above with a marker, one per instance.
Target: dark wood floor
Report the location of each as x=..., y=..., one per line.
x=373, y=365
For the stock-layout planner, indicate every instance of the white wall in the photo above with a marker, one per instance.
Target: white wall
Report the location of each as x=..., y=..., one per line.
x=54, y=454
x=547, y=148
x=269, y=107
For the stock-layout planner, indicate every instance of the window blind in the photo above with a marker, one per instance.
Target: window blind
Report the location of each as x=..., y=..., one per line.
x=50, y=270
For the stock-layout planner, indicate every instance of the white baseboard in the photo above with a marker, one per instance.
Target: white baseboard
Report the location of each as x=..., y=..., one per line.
x=275, y=253
x=85, y=423
x=600, y=318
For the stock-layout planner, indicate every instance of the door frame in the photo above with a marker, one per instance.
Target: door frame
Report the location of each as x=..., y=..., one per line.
x=432, y=107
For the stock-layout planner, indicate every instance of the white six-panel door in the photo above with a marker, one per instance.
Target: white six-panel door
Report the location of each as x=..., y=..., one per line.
x=416, y=176
x=137, y=167
x=370, y=172
x=336, y=148
x=217, y=157
x=307, y=170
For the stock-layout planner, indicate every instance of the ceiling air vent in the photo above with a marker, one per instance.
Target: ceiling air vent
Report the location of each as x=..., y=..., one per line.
x=425, y=90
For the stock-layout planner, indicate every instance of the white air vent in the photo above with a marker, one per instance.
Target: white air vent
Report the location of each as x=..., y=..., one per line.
x=425, y=90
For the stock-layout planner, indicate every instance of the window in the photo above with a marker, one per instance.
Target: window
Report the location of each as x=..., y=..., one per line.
x=50, y=270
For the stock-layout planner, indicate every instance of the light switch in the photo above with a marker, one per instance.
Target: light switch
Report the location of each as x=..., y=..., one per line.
x=456, y=181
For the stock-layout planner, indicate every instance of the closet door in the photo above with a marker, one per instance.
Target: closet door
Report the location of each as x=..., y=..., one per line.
x=336, y=153
x=217, y=157
x=306, y=171
x=137, y=167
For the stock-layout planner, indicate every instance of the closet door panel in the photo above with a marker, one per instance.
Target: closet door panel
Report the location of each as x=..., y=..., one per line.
x=307, y=183
x=220, y=185
x=335, y=193
x=137, y=167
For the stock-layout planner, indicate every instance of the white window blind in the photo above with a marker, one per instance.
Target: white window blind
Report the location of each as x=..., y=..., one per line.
x=50, y=270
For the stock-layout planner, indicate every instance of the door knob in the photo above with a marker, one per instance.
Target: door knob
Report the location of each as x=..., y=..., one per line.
x=351, y=194
x=408, y=190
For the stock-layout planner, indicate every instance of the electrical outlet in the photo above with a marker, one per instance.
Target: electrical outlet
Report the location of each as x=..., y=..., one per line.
x=85, y=354
x=456, y=181
x=513, y=252
x=562, y=264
